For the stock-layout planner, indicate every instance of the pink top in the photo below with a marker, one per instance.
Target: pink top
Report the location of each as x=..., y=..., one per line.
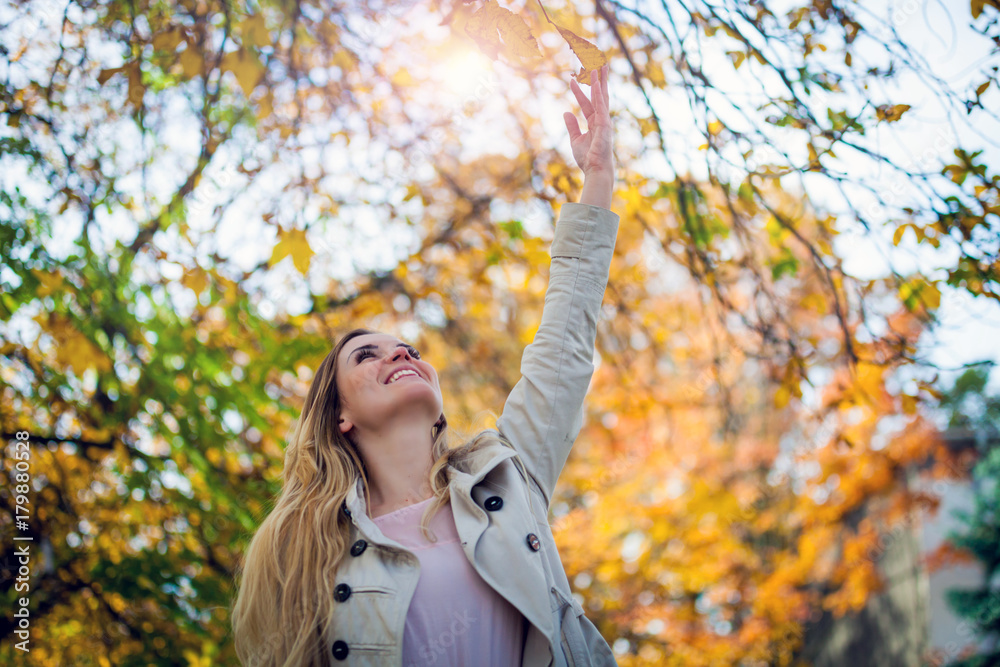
x=454, y=618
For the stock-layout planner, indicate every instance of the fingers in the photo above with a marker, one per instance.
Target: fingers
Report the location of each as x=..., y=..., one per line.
x=606, y=72
x=599, y=90
x=581, y=98
x=572, y=125
x=596, y=96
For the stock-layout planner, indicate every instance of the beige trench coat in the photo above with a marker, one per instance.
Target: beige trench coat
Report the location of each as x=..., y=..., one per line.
x=500, y=498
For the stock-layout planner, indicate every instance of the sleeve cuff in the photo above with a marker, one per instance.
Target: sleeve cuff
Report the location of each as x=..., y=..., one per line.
x=583, y=226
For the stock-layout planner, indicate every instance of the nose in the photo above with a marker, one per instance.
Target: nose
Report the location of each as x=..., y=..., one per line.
x=401, y=353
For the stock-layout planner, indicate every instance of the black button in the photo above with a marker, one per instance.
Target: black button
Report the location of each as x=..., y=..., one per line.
x=340, y=649
x=346, y=511
x=358, y=548
x=341, y=592
x=493, y=503
x=533, y=542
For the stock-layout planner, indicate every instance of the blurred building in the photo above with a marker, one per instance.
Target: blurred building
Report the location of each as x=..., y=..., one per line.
x=909, y=624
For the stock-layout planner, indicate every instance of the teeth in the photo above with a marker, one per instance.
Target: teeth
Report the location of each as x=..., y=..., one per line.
x=398, y=374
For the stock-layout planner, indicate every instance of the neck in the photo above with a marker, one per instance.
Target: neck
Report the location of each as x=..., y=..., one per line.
x=399, y=461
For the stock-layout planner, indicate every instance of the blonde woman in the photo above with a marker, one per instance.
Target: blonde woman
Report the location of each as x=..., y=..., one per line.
x=386, y=546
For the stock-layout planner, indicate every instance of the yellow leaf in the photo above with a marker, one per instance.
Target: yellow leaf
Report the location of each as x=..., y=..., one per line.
x=931, y=295
x=50, y=282
x=918, y=290
x=897, y=236
x=891, y=112
x=590, y=56
x=191, y=62
x=195, y=280
x=654, y=72
x=977, y=8
x=345, y=60
x=293, y=242
x=815, y=302
x=491, y=22
x=714, y=127
x=402, y=77
x=73, y=349
x=482, y=27
x=781, y=396
x=814, y=164
x=246, y=67
x=265, y=106
x=517, y=35
x=737, y=57
x=528, y=334
x=647, y=125
x=412, y=191
x=168, y=40
x=254, y=31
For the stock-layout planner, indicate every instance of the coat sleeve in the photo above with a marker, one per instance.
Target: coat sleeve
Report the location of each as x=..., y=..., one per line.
x=544, y=411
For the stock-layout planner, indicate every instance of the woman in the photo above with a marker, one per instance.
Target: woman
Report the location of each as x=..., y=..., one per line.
x=387, y=547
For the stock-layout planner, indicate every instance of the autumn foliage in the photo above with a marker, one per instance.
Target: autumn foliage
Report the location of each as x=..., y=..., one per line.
x=198, y=197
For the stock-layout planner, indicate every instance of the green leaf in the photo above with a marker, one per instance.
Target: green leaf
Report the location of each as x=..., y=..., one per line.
x=786, y=265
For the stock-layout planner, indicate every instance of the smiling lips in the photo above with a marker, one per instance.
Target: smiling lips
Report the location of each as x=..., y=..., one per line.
x=402, y=372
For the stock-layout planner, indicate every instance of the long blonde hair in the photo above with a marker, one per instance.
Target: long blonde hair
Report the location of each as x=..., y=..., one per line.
x=284, y=602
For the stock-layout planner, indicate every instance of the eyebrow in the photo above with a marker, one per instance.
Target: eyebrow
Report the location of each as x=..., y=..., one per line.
x=372, y=346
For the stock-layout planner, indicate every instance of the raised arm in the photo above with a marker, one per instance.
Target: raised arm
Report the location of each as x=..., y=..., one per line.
x=544, y=412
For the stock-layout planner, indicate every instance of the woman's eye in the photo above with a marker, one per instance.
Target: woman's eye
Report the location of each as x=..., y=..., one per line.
x=413, y=352
x=364, y=353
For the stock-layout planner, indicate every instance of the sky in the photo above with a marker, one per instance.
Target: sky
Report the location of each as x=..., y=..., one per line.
x=969, y=328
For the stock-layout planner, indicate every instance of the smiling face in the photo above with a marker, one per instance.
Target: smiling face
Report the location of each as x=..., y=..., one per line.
x=382, y=380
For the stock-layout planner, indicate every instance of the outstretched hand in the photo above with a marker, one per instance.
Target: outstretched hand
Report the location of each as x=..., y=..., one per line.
x=592, y=149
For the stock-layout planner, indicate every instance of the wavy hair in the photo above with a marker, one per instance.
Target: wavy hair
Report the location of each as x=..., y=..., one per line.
x=285, y=581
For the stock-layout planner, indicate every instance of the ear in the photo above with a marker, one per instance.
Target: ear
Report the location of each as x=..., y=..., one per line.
x=345, y=425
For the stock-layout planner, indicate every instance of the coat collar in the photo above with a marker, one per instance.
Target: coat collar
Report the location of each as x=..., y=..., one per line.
x=466, y=474
x=479, y=463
